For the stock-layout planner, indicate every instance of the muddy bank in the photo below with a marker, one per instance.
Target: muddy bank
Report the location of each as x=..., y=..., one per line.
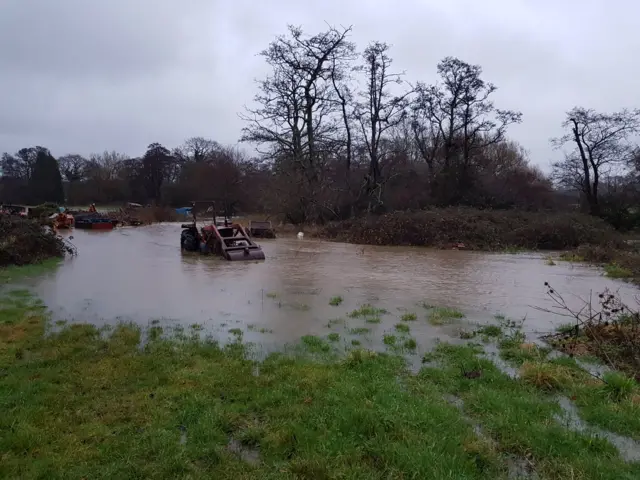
x=470, y=229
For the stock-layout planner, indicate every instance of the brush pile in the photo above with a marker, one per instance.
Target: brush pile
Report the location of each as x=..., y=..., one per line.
x=26, y=241
x=607, y=329
x=476, y=229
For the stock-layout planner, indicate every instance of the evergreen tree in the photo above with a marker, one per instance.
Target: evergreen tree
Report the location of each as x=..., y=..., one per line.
x=46, y=181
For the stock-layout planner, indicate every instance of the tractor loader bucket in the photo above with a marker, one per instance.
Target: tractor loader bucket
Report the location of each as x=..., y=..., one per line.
x=246, y=253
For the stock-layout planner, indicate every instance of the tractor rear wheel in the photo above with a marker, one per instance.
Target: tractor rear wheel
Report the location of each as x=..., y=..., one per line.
x=188, y=241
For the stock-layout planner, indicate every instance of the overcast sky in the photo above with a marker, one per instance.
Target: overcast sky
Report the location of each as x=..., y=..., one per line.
x=82, y=76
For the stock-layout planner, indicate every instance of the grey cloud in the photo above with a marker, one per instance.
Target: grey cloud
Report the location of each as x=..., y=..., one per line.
x=83, y=76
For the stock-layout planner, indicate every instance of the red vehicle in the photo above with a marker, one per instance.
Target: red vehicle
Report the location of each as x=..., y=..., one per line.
x=222, y=237
x=63, y=220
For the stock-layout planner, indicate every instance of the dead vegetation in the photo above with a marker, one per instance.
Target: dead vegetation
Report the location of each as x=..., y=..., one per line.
x=619, y=262
x=474, y=229
x=607, y=329
x=25, y=242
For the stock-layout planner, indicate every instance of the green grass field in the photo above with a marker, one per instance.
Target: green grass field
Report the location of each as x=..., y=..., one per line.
x=76, y=403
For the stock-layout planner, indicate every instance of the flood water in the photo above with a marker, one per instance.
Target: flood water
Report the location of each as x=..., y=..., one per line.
x=140, y=275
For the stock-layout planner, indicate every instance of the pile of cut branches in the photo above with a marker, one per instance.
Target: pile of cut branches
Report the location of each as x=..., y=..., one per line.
x=26, y=241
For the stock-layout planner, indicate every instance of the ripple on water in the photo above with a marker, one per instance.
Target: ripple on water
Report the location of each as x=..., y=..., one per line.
x=139, y=274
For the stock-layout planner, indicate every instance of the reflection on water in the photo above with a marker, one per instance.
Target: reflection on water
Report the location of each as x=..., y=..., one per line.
x=139, y=274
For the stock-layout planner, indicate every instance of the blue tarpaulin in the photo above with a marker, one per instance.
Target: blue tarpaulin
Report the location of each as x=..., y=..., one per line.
x=184, y=210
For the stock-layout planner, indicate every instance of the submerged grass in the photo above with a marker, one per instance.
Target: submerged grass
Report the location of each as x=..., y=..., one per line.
x=335, y=301
x=614, y=270
x=79, y=403
x=370, y=313
x=409, y=317
x=443, y=315
x=359, y=330
x=402, y=328
x=17, y=273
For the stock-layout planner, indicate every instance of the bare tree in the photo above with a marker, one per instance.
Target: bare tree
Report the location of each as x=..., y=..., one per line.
x=426, y=126
x=456, y=120
x=73, y=167
x=379, y=108
x=104, y=166
x=295, y=99
x=197, y=149
x=296, y=102
x=600, y=143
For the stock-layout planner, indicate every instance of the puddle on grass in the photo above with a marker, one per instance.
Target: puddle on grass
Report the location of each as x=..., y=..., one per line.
x=183, y=435
x=492, y=352
x=519, y=468
x=246, y=454
x=629, y=448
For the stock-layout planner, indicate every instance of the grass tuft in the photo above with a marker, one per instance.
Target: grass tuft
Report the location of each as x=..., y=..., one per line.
x=409, y=317
x=613, y=270
x=410, y=344
x=359, y=331
x=335, y=301
x=490, y=331
x=367, y=310
x=618, y=386
x=402, y=327
x=389, y=340
x=444, y=315
x=546, y=376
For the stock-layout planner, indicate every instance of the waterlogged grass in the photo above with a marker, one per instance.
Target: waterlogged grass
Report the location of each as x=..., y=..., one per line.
x=333, y=337
x=611, y=402
x=409, y=317
x=520, y=417
x=335, y=301
x=389, y=339
x=255, y=328
x=572, y=257
x=370, y=313
x=566, y=328
x=15, y=274
x=443, y=315
x=367, y=310
x=402, y=328
x=81, y=403
x=359, y=331
x=613, y=270
x=490, y=331
x=410, y=344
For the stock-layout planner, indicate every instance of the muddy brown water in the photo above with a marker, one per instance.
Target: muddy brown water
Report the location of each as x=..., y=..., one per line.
x=140, y=275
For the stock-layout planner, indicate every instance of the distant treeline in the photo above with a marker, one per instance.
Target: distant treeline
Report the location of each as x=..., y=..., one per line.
x=341, y=133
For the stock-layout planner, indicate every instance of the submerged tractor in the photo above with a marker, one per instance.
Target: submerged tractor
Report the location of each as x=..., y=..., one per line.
x=222, y=237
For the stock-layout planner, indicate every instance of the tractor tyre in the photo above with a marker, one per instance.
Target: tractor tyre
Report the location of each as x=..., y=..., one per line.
x=188, y=241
